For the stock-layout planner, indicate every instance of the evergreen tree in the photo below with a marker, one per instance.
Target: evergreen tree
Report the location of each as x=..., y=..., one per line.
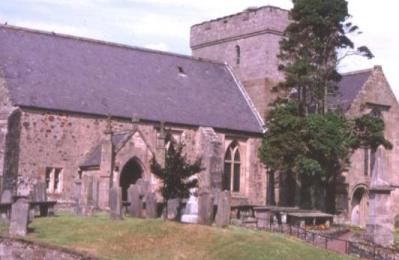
x=177, y=177
x=305, y=141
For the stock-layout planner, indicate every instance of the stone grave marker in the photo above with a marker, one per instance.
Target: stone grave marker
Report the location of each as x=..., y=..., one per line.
x=19, y=217
x=173, y=205
x=39, y=192
x=205, y=208
x=223, y=213
x=115, y=203
x=135, y=201
x=6, y=196
x=87, y=195
x=77, y=189
x=151, y=209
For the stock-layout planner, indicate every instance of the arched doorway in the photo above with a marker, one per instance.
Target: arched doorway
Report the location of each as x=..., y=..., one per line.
x=131, y=172
x=359, y=212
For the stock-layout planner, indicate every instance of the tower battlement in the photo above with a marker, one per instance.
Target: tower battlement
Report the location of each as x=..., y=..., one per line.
x=252, y=21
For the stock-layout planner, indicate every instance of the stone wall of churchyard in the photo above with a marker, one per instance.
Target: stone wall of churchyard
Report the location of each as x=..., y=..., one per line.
x=20, y=250
x=256, y=33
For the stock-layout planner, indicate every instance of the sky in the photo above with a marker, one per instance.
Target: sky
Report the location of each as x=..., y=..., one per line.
x=165, y=24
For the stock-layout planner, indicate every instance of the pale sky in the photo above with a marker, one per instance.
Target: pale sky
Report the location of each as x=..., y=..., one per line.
x=165, y=24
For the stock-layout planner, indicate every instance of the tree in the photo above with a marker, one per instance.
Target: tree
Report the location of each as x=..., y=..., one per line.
x=305, y=141
x=177, y=175
x=313, y=44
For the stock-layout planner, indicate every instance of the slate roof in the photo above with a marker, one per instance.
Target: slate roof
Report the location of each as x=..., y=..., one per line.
x=350, y=85
x=65, y=73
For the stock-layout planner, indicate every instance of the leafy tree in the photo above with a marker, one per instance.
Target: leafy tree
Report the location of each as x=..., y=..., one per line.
x=177, y=175
x=305, y=140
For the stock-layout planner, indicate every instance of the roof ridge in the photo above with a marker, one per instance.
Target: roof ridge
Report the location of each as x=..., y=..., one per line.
x=249, y=9
x=354, y=72
x=107, y=43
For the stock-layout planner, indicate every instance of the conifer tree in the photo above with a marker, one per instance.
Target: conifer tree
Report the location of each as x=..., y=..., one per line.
x=306, y=141
x=177, y=177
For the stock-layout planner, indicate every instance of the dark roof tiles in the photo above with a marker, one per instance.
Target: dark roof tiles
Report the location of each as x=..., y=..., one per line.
x=70, y=74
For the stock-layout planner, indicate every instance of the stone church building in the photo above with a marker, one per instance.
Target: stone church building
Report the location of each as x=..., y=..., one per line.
x=71, y=107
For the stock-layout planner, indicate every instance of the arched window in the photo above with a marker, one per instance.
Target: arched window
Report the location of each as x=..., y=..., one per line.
x=232, y=163
x=238, y=55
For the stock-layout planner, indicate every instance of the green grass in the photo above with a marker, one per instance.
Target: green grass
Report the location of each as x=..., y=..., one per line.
x=157, y=239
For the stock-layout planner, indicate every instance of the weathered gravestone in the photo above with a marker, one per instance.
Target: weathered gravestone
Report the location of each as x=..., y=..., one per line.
x=205, y=208
x=223, y=212
x=77, y=191
x=143, y=187
x=6, y=197
x=39, y=192
x=151, y=209
x=19, y=217
x=87, y=200
x=133, y=195
x=95, y=193
x=173, y=206
x=115, y=203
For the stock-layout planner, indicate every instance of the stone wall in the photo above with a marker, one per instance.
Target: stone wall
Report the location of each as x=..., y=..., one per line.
x=257, y=32
x=20, y=250
x=61, y=140
x=376, y=91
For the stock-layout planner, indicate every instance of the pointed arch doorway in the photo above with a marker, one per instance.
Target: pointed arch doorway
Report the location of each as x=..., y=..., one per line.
x=359, y=212
x=131, y=172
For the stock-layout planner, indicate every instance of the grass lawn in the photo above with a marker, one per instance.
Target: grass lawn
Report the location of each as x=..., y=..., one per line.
x=157, y=239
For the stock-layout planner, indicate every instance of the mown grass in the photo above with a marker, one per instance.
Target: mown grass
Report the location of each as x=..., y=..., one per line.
x=157, y=239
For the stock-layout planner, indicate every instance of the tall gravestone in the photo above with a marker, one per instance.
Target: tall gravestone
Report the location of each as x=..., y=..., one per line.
x=19, y=217
x=151, y=210
x=205, y=208
x=77, y=191
x=135, y=201
x=222, y=218
x=87, y=200
x=380, y=226
x=115, y=203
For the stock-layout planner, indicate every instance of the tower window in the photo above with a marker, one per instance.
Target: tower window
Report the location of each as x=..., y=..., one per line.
x=53, y=180
x=238, y=55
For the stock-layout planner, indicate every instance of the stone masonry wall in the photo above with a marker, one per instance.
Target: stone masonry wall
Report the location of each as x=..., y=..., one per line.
x=257, y=32
x=377, y=91
x=60, y=140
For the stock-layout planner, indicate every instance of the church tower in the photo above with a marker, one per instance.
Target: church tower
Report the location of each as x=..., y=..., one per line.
x=249, y=43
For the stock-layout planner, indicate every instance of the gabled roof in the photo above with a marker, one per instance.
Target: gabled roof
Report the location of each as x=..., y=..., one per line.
x=65, y=73
x=349, y=86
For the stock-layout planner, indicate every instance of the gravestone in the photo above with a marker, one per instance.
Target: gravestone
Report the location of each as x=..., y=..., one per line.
x=205, y=208
x=173, y=206
x=380, y=226
x=133, y=195
x=77, y=190
x=223, y=212
x=115, y=203
x=39, y=192
x=87, y=201
x=19, y=217
x=95, y=193
x=191, y=211
x=6, y=196
x=143, y=187
x=151, y=209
